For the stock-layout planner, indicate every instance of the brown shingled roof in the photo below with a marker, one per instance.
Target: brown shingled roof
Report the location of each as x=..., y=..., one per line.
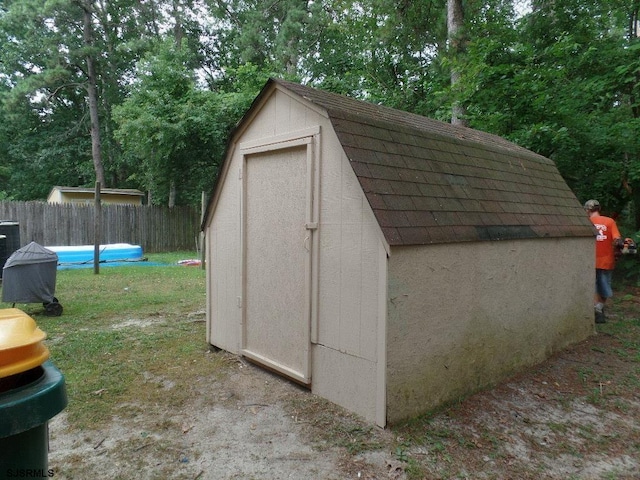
x=432, y=182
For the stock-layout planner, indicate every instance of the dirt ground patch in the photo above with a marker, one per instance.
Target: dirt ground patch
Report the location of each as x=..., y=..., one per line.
x=576, y=416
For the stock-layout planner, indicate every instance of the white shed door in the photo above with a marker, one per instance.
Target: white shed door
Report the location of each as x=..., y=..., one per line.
x=276, y=329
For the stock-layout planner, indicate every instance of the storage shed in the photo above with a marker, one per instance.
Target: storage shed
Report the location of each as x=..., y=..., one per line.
x=388, y=261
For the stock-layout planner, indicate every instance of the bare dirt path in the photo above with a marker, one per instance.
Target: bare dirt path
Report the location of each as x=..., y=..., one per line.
x=242, y=428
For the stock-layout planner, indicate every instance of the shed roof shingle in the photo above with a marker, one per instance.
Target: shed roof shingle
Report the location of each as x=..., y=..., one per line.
x=432, y=182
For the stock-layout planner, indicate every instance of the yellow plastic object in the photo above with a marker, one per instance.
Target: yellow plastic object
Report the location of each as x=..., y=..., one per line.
x=21, y=346
x=24, y=359
x=18, y=329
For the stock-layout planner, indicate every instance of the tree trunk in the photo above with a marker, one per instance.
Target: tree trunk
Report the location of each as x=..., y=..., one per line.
x=96, y=147
x=635, y=199
x=172, y=194
x=178, y=31
x=455, y=34
x=634, y=20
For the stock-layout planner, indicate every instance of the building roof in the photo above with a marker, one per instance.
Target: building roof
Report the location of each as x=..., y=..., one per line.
x=432, y=182
x=107, y=191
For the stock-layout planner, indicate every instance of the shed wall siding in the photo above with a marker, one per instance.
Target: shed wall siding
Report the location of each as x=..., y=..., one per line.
x=347, y=381
x=350, y=265
x=55, y=197
x=463, y=317
x=224, y=262
x=347, y=361
x=104, y=198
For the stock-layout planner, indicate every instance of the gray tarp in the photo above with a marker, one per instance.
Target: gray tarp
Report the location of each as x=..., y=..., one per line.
x=29, y=275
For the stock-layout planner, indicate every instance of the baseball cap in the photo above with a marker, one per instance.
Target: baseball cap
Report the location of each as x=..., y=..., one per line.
x=592, y=205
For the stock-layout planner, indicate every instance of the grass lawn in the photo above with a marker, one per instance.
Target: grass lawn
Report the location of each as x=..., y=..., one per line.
x=103, y=359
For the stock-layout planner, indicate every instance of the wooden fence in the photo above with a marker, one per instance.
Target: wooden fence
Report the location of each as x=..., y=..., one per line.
x=156, y=229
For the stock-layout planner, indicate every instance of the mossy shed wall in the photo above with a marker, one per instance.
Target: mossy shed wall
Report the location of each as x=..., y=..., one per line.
x=462, y=317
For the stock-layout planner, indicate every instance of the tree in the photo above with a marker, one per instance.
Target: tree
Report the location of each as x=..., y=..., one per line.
x=92, y=92
x=591, y=127
x=44, y=63
x=273, y=33
x=5, y=167
x=176, y=131
x=42, y=59
x=562, y=81
x=457, y=45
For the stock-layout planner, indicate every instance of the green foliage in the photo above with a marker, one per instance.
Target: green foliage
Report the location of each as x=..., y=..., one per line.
x=42, y=64
x=175, y=131
x=564, y=81
x=277, y=35
x=38, y=124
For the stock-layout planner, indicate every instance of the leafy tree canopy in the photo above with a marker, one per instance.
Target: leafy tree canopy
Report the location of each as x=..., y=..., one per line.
x=173, y=78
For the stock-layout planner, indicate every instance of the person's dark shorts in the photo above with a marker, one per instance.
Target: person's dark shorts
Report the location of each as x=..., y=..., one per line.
x=603, y=283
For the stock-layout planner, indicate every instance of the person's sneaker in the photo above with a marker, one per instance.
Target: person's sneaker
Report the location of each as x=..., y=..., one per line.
x=600, y=318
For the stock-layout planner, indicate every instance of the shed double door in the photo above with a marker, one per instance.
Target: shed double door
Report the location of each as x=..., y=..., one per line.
x=276, y=320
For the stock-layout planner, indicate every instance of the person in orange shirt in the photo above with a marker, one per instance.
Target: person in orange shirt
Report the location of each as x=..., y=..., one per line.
x=608, y=239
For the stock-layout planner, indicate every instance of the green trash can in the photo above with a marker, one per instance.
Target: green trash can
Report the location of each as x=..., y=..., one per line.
x=28, y=400
x=32, y=391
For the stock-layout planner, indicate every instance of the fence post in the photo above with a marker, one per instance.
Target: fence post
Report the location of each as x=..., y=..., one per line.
x=203, y=208
x=97, y=230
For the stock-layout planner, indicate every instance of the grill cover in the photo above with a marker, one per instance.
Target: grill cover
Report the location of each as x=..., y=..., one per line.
x=29, y=275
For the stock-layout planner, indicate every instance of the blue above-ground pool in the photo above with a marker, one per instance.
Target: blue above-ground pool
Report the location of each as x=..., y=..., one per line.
x=83, y=254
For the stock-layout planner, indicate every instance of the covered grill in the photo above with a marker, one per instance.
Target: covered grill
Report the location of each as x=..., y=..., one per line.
x=29, y=276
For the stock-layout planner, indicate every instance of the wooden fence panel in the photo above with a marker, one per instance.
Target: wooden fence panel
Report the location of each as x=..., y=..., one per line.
x=156, y=229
